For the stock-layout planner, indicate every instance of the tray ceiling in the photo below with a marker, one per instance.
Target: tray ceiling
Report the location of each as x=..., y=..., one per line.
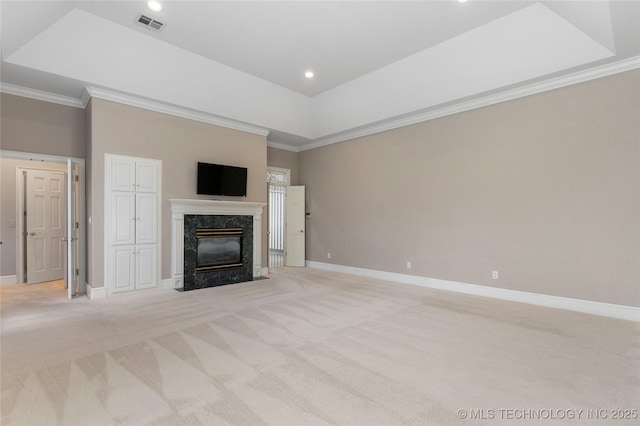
x=373, y=61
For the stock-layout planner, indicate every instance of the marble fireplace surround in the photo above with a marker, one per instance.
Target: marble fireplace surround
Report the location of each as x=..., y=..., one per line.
x=182, y=207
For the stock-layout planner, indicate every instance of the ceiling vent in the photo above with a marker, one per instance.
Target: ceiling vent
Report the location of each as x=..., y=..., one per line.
x=150, y=23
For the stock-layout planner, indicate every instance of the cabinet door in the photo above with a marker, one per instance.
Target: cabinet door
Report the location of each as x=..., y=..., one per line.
x=123, y=174
x=146, y=266
x=123, y=214
x=123, y=265
x=146, y=176
x=146, y=218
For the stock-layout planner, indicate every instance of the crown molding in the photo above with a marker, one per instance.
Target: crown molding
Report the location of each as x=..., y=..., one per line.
x=39, y=95
x=366, y=130
x=282, y=145
x=85, y=97
x=135, y=101
x=531, y=89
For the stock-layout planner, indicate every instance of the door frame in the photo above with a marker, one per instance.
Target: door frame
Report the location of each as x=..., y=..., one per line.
x=287, y=173
x=21, y=206
x=82, y=246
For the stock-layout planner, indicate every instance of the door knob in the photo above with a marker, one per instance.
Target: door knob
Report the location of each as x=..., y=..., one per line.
x=301, y=231
x=33, y=233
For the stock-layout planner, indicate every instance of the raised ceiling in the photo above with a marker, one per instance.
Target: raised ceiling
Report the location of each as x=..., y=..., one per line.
x=377, y=64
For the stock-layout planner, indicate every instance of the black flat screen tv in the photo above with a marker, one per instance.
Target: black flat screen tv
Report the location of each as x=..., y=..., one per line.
x=217, y=179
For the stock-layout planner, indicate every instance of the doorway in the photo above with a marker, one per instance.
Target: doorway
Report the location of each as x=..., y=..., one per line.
x=42, y=199
x=277, y=180
x=45, y=237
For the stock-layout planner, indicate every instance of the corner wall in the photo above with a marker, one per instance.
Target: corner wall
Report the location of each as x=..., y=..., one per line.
x=285, y=160
x=543, y=189
x=33, y=126
x=180, y=143
x=30, y=125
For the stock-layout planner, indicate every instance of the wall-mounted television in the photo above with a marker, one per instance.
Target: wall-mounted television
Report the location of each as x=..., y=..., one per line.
x=218, y=179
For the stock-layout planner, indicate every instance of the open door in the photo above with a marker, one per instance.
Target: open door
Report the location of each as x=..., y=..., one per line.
x=38, y=189
x=295, y=246
x=71, y=275
x=45, y=225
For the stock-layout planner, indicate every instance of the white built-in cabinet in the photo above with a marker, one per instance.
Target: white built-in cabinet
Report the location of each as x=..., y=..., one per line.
x=132, y=223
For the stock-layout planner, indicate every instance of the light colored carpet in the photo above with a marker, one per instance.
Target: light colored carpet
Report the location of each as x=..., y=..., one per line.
x=307, y=347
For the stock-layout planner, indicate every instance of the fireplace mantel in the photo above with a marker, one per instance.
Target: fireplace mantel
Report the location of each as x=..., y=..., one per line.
x=180, y=207
x=215, y=207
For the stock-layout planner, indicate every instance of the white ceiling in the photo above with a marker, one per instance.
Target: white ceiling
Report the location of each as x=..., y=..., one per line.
x=375, y=62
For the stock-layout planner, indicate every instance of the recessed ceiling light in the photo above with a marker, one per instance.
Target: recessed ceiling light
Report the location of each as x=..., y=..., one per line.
x=462, y=1
x=155, y=6
x=308, y=74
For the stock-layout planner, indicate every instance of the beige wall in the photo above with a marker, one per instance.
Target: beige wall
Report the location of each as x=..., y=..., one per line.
x=29, y=125
x=180, y=144
x=285, y=160
x=8, y=219
x=544, y=189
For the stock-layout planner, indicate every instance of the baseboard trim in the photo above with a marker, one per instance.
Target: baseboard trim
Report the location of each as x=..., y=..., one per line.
x=8, y=280
x=264, y=272
x=167, y=284
x=94, y=293
x=629, y=313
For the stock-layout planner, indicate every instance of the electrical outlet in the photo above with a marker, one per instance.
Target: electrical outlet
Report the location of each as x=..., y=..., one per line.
x=494, y=275
x=408, y=264
x=328, y=255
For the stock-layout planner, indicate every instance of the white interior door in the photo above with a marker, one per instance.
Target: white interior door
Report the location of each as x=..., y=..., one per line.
x=71, y=276
x=123, y=175
x=145, y=259
x=295, y=247
x=123, y=211
x=145, y=214
x=124, y=269
x=45, y=226
x=146, y=176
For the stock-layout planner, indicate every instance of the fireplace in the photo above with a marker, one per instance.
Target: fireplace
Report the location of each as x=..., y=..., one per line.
x=190, y=215
x=218, y=248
